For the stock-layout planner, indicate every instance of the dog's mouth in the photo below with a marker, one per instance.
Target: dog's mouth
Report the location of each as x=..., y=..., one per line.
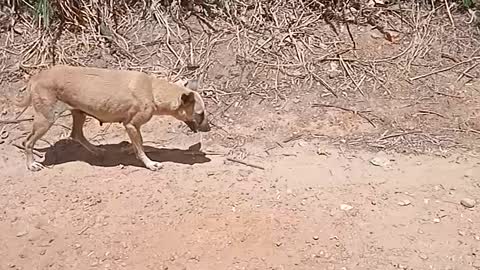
x=194, y=127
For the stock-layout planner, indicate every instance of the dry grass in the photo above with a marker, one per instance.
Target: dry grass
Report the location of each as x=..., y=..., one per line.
x=274, y=46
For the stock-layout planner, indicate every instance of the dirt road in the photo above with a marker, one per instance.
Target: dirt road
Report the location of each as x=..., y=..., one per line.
x=313, y=206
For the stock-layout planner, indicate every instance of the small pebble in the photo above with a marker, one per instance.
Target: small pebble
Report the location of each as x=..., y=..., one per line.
x=423, y=256
x=379, y=161
x=278, y=243
x=468, y=203
x=21, y=233
x=404, y=203
x=322, y=152
x=43, y=251
x=346, y=207
x=436, y=220
x=316, y=237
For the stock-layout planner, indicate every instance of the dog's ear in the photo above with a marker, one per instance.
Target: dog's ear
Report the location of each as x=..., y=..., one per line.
x=192, y=85
x=189, y=84
x=188, y=99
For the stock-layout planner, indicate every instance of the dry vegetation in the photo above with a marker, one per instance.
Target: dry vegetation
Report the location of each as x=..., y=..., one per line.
x=278, y=51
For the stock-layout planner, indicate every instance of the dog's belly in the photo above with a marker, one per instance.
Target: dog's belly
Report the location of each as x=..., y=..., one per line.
x=104, y=115
x=105, y=110
x=107, y=117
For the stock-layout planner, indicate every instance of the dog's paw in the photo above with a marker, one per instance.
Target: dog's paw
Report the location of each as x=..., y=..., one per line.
x=35, y=166
x=154, y=166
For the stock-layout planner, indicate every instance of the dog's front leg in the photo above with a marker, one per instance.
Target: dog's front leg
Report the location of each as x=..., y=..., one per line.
x=137, y=143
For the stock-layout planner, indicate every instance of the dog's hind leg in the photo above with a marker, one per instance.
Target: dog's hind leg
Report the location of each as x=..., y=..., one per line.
x=77, y=133
x=41, y=125
x=137, y=144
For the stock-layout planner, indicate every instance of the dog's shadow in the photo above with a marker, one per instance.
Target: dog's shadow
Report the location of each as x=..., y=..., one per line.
x=65, y=151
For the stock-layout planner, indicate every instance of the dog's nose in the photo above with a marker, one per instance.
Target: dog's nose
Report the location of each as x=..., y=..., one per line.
x=205, y=127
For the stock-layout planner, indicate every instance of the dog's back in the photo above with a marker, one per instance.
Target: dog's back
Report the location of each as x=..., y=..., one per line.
x=103, y=93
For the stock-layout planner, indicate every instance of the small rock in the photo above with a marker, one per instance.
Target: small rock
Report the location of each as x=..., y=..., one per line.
x=380, y=161
x=43, y=251
x=278, y=243
x=423, y=256
x=346, y=207
x=302, y=143
x=461, y=233
x=333, y=73
x=315, y=237
x=436, y=220
x=322, y=152
x=468, y=203
x=22, y=233
x=404, y=203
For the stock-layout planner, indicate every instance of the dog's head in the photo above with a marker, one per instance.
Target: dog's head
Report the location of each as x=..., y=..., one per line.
x=191, y=109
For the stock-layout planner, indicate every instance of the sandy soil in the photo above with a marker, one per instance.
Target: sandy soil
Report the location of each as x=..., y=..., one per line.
x=310, y=205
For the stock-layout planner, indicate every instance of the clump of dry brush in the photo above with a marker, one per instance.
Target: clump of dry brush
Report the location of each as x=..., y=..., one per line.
x=87, y=13
x=267, y=32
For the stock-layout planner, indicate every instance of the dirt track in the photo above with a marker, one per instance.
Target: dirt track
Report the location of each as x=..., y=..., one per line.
x=314, y=206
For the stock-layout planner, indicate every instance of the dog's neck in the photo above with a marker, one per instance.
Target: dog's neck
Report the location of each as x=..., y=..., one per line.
x=167, y=96
x=166, y=108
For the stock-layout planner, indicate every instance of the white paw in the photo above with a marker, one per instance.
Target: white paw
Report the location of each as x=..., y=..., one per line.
x=35, y=166
x=154, y=166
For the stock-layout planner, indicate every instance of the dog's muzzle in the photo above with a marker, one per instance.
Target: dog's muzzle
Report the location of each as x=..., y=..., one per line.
x=203, y=127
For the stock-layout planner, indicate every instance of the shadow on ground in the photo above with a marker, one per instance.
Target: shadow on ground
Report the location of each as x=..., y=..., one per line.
x=65, y=151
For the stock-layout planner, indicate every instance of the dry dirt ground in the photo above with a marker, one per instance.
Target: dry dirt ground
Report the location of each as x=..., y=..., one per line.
x=312, y=193
x=314, y=205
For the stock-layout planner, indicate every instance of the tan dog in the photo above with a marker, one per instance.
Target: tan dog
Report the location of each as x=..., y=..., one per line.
x=127, y=97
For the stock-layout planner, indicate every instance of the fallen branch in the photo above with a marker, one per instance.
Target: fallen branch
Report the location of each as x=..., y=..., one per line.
x=359, y=113
x=398, y=135
x=432, y=112
x=444, y=69
x=245, y=163
x=15, y=121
